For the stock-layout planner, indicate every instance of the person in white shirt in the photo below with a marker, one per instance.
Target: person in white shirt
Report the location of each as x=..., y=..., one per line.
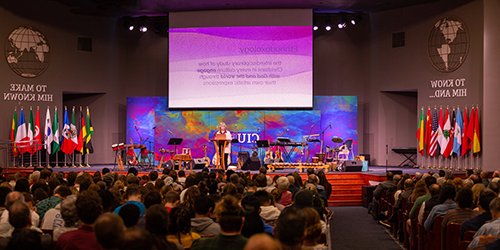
x=227, y=149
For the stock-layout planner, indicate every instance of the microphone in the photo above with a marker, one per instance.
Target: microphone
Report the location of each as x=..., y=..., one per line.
x=170, y=132
x=154, y=127
x=258, y=129
x=330, y=125
x=312, y=126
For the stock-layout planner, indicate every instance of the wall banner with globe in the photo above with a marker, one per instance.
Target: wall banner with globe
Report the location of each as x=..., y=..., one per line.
x=27, y=51
x=448, y=44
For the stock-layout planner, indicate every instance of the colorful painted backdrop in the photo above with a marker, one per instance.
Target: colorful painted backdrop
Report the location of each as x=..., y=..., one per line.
x=150, y=118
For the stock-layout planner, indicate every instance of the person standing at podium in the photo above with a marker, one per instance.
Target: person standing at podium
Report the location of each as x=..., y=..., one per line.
x=224, y=152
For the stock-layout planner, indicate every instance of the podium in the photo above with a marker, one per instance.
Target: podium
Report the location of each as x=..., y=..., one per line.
x=220, y=140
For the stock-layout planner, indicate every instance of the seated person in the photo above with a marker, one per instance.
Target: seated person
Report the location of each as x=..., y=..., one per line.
x=202, y=224
x=268, y=212
x=180, y=227
x=313, y=230
x=492, y=227
x=473, y=224
x=446, y=203
x=230, y=218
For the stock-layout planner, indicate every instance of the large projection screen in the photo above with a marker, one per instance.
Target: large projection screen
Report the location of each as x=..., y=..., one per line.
x=241, y=59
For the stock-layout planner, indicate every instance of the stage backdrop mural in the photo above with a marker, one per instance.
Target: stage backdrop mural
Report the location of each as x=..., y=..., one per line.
x=149, y=122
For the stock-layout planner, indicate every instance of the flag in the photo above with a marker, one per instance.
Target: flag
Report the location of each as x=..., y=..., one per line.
x=66, y=134
x=470, y=129
x=83, y=134
x=38, y=131
x=477, y=146
x=55, y=127
x=31, y=136
x=434, y=135
x=49, y=136
x=458, y=133
x=21, y=134
x=428, y=131
x=440, y=135
x=13, y=133
x=90, y=132
x=465, y=139
x=420, y=133
x=74, y=137
x=447, y=143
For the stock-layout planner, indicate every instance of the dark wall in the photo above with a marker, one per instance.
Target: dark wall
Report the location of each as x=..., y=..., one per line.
x=356, y=61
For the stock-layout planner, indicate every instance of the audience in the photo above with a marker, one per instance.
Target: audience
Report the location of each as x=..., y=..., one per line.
x=230, y=218
x=483, y=204
x=202, y=224
x=149, y=214
x=446, y=202
x=290, y=228
x=88, y=208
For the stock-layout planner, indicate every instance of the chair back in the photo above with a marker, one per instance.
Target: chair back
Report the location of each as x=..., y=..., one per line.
x=452, y=235
x=469, y=235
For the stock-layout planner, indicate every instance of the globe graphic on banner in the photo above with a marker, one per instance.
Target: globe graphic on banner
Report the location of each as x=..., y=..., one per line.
x=448, y=44
x=27, y=51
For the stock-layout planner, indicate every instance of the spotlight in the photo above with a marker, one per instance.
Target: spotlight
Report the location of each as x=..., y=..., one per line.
x=128, y=25
x=356, y=19
x=343, y=23
x=328, y=26
x=315, y=25
x=143, y=28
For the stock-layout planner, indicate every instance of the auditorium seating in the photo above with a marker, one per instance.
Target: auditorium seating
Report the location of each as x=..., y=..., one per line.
x=414, y=231
x=452, y=237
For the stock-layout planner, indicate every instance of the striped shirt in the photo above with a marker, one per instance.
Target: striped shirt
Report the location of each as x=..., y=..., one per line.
x=458, y=215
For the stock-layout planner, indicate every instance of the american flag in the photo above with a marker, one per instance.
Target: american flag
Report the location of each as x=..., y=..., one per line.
x=433, y=143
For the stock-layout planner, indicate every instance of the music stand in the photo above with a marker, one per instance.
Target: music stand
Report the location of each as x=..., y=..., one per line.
x=175, y=142
x=283, y=139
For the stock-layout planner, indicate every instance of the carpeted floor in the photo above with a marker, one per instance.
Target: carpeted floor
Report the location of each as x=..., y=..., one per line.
x=353, y=228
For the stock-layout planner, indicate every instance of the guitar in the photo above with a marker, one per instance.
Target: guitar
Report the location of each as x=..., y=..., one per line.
x=162, y=151
x=130, y=151
x=207, y=160
x=278, y=154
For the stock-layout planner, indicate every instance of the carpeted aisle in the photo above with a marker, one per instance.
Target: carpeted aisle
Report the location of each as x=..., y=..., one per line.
x=353, y=228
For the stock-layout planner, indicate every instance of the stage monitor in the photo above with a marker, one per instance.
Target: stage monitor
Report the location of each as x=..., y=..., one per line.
x=240, y=59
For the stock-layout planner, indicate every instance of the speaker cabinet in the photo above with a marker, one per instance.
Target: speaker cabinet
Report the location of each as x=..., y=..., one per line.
x=253, y=163
x=199, y=163
x=353, y=166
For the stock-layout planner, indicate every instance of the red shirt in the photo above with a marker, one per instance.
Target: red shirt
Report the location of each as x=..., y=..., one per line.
x=83, y=238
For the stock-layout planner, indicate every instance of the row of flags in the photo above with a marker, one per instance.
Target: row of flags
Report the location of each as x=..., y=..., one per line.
x=29, y=138
x=452, y=134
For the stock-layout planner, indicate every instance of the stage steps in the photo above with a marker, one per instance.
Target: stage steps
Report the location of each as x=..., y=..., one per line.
x=346, y=189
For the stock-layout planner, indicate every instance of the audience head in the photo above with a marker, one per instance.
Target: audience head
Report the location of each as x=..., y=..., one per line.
x=19, y=215
x=172, y=197
x=136, y=238
x=441, y=173
x=447, y=192
x=303, y=198
x=203, y=205
x=88, y=206
x=464, y=198
x=449, y=175
x=476, y=189
x=429, y=181
x=389, y=175
x=283, y=183
x=485, y=197
x=408, y=184
x=475, y=178
x=434, y=190
x=108, y=230
x=13, y=197
x=229, y=215
x=484, y=174
x=263, y=196
x=180, y=221
x=262, y=241
x=132, y=194
x=22, y=185
x=468, y=183
x=152, y=198
x=290, y=227
x=495, y=186
x=269, y=180
x=68, y=212
x=130, y=213
x=157, y=220
x=253, y=223
x=495, y=208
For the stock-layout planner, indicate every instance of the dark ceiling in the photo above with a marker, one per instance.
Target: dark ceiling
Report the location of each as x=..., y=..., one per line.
x=121, y=8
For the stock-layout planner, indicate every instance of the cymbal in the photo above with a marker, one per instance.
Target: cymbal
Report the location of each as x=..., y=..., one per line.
x=337, y=140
